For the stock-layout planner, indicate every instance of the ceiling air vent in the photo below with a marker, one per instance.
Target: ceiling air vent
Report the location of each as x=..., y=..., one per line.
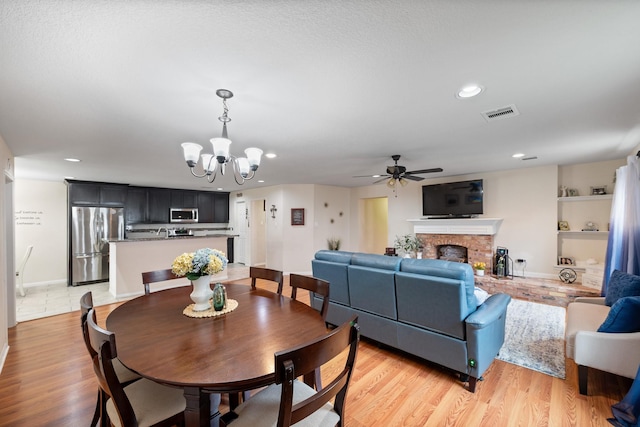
x=501, y=113
x=530, y=158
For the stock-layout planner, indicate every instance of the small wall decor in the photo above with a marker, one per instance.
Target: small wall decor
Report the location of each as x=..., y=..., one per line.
x=297, y=216
x=563, y=226
x=273, y=211
x=599, y=191
x=565, y=260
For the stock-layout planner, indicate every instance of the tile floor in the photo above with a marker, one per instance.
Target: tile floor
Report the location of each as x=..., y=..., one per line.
x=49, y=300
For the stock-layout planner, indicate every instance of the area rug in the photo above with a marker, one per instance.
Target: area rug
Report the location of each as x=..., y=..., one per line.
x=534, y=337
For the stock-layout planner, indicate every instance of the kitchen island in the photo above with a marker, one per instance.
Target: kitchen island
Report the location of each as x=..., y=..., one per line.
x=129, y=258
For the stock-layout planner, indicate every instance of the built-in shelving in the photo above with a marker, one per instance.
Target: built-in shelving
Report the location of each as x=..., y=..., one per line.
x=585, y=198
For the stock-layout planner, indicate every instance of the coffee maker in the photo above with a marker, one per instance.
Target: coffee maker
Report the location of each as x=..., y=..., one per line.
x=501, y=262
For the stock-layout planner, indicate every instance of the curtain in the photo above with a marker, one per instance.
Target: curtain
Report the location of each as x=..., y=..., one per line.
x=623, y=246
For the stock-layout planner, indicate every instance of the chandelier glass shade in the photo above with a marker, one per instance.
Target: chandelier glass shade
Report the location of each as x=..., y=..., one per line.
x=244, y=168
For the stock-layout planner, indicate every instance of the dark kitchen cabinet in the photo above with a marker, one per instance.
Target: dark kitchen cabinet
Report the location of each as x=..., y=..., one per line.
x=221, y=208
x=184, y=199
x=135, y=208
x=158, y=205
x=113, y=195
x=96, y=194
x=205, y=206
x=81, y=193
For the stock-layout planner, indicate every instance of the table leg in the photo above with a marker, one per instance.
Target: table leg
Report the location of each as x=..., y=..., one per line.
x=198, y=407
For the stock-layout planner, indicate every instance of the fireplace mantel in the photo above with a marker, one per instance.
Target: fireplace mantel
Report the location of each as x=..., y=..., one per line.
x=488, y=226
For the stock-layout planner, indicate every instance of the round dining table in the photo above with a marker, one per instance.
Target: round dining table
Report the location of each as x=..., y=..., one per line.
x=227, y=353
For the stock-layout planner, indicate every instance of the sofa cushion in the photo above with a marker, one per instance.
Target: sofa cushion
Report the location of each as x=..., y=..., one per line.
x=438, y=268
x=621, y=285
x=332, y=267
x=623, y=317
x=342, y=257
x=382, y=262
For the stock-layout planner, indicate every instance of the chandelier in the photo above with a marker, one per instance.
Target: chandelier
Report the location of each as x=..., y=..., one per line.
x=244, y=168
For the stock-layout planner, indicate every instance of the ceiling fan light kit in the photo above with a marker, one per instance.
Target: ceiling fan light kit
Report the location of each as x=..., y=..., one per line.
x=244, y=168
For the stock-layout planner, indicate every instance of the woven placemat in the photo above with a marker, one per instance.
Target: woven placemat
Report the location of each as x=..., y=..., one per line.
x=231, y=305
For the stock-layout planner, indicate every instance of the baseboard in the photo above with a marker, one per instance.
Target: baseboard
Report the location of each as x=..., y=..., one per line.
x=45, y=283
x=3, y=355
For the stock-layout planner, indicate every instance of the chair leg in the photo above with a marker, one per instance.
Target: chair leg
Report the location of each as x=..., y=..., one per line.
x=472, y=384
x=96, y=413
x=582, y=379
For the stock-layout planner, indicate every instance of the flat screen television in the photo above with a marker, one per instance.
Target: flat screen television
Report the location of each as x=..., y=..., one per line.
x=461, y=199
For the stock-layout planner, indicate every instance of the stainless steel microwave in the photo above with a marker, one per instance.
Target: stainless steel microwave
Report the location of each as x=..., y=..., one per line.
x=183, y=215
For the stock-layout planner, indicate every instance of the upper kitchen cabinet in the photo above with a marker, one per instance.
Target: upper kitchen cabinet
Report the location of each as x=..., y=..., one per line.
x=221, y=208
x=113, y=195
x=213, y=207
x=96, y=194
x=158, y=205
x=184, y=199
x=205, y=206
x=136, y=205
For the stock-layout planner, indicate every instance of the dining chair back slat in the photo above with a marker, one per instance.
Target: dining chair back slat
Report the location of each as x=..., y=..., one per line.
x=157, y=404
x=149, y=277
x=266, y=274
x=292, y=401
x=311, y=284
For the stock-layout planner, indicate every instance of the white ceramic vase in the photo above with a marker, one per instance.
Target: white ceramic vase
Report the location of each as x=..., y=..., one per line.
x=201, y=293
x=479, y=272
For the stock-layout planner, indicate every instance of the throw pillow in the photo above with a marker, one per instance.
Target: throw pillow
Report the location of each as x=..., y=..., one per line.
x=623, y=317
x=621, y=285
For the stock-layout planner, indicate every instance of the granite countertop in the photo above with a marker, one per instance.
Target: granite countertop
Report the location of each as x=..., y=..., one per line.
x=143, y=239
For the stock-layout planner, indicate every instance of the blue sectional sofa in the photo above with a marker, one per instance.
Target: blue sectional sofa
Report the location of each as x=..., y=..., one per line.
x=425, y=307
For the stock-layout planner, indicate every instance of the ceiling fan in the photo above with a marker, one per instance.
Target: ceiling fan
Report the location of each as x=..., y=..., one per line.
x=397, y=173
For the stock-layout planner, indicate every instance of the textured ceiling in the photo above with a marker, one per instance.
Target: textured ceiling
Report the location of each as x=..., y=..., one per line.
x=334, y=88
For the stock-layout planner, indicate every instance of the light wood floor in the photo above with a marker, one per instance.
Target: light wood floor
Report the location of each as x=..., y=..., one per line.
x=47, y=380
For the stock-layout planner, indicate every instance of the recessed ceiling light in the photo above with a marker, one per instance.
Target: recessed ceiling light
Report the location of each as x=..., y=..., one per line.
x=260, y=180
x=469, y=91
x=72, y=160
x=69, y=177
x=518, y=155
x=375, y=176
x=270, y=155
x=220, y=188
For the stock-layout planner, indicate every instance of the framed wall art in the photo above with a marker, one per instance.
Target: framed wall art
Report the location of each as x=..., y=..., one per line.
x=297, y=216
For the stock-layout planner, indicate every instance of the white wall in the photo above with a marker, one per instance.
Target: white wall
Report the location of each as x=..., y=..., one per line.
x=41, y=220
x=6, y=235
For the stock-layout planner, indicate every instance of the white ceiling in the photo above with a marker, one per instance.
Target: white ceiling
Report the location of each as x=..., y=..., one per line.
x=333, y=87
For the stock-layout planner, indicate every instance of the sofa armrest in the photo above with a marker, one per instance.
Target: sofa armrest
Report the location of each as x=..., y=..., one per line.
x=489, y=311
x=590, y=300
x=609, y=352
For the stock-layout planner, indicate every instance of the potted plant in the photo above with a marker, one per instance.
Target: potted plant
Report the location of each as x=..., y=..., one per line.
x=333, y=243
x=409, y=244
x=479, y=267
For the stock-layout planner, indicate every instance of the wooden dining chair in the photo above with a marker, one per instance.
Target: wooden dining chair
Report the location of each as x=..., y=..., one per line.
x=312, y=284
x=289, y=400
x=141, y=403
x=125, y=376
x=266, y=274
x=156, y=276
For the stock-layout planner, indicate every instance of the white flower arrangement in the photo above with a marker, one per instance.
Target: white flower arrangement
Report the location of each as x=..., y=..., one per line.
x=199, y=263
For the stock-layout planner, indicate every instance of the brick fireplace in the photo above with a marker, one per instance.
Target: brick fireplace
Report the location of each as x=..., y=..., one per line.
x=474, y=234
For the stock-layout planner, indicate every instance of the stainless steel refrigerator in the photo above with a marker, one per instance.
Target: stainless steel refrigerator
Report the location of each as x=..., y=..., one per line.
x=91, y=230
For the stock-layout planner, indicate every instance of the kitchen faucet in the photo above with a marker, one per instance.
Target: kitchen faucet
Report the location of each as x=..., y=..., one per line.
x=166, y=231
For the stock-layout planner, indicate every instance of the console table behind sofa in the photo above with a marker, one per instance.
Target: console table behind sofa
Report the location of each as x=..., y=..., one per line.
x=425, y=307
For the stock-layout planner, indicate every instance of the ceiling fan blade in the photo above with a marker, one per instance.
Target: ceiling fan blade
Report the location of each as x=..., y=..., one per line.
x=413, y=178
x=432, y=170
x=384, y=178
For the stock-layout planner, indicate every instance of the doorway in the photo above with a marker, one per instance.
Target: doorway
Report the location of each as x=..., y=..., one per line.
x=240, y=241
x=374, y=225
